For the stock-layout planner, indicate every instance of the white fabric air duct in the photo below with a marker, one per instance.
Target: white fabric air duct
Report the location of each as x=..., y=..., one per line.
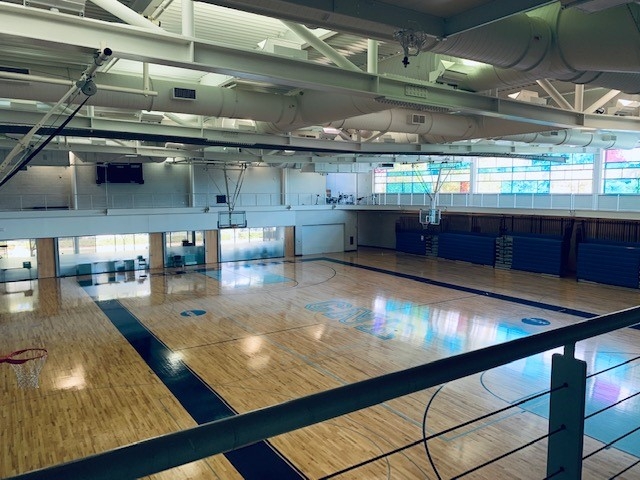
x=621, y=140
x=487, y=77
x=407, y=121
x=601, y=48
x=441, y=128
x=281, y=113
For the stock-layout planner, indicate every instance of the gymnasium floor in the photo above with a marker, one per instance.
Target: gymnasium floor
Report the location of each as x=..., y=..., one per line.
x=133, y=356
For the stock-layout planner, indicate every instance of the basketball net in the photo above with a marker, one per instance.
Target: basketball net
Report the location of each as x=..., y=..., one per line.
x=27, y=365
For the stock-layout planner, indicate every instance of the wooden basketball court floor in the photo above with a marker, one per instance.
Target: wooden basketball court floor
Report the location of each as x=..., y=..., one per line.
x=134, y=356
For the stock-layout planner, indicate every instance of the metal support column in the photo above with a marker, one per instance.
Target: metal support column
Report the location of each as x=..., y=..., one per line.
x=578, y=102
x=188, y=19
x=73, y=165
x=126, y=14
x=607, y=97
x=307, y=35
x=554, y=94
x=372, y=56
x=284, y=187
x=566, y=413
x=192, y=185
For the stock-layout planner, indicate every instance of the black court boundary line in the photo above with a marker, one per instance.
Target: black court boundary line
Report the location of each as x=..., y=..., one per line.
x=259, y=461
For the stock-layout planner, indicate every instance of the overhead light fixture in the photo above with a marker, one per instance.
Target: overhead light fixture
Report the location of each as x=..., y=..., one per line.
x=412, y=43
x=151, y=117
x=69, y=6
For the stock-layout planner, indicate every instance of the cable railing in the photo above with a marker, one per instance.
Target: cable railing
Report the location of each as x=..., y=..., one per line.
x=564, y=434
x=567, y=202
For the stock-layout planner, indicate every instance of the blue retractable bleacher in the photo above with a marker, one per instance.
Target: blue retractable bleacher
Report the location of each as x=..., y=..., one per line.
x=539, y=254
x=411, y=242
x=468, y=247
x=613, y=264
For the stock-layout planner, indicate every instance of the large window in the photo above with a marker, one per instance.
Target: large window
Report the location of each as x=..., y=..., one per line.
x=571, y=173
x=251, y=243
x=18, y=260
x=102, y=253
x=184, y=248
x=420, y=178
x=564, y=174
x=622, y=171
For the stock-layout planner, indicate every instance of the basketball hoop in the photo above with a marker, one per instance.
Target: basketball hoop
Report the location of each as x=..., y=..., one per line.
x=27, y=364
x=429, y=217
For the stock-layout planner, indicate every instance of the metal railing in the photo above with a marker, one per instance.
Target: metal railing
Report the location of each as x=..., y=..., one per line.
x=568, y=202
x=161, y=453
x=537, y=201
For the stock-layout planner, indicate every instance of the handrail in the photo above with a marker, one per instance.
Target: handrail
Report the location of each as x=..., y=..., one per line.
x=171, y=450
x=531, y=201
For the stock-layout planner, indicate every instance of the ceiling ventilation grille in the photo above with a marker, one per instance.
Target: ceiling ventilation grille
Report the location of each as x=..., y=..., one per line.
x=23, y=71
x=413, y=106
x=416, y=119
x=184, y=94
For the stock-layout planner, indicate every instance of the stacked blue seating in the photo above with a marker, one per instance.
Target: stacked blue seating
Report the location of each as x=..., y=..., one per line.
x=539, y=254
x=468, y=247
x=411, y=242
x=613, y=264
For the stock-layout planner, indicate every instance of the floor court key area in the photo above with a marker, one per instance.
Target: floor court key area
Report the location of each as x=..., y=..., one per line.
x=131, y=360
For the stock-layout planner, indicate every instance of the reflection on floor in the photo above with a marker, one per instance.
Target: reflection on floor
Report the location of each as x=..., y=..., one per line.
x=427, y=326
x=134, y=359
x=240, y=275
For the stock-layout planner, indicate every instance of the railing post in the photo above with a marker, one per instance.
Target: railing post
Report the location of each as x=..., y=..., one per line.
x=566, y=412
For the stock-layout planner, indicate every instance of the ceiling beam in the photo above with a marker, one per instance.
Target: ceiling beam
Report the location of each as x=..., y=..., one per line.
x=17, y=123
x=212, y=155
x=57, y=34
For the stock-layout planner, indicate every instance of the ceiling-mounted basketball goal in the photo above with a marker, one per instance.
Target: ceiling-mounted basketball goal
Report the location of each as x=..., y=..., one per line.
x=233, y=218
x=432, y=215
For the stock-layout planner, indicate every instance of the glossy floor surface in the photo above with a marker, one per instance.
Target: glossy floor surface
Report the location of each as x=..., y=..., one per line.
x=133, y=356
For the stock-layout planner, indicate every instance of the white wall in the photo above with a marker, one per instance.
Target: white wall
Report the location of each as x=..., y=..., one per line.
x=260, y=185
x=345, y=183
x=68, y=223
x=107, y=208
x=305, y=188
x=32, y=184
x=314, y=239
x=365, y=184
x=164, y=185
x=328, y=217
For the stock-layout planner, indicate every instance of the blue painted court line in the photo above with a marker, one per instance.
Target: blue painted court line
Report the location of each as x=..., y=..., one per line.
x=260, y=461
x=460, y=288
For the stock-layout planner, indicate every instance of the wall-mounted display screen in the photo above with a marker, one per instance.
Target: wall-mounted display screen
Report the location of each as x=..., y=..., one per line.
x=119, y=173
